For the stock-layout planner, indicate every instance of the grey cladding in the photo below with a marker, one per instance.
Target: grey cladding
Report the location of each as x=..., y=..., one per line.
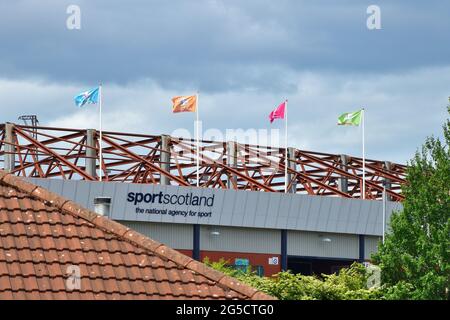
x=228, y=207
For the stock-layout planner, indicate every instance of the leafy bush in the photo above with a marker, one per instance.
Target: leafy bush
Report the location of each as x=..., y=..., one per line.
x=349, y=284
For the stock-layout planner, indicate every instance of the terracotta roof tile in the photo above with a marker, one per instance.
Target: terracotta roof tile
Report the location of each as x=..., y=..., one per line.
x=43, y=236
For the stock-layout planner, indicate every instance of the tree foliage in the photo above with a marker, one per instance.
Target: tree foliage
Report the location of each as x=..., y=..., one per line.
x=415, y=255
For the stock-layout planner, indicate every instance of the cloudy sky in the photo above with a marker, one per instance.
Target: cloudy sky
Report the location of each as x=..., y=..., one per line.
x=244, y=57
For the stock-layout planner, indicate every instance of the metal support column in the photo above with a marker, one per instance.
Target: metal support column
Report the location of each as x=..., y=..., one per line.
x=291, y=165
x=10, y=157
x=388, y=182
x=362, y=248
x=165, y=158
x=343, y=181
x=284, y=256
x=231, y=162
x=91, y=153
x=291, y=189
x=196, y=242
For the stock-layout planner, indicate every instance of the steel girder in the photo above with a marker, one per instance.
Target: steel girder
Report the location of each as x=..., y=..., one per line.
x=138, y=158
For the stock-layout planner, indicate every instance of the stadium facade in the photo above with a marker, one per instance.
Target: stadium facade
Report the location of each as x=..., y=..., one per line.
x=239, y=210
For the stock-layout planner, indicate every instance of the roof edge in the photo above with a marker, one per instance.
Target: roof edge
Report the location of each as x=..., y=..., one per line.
x=134, y=237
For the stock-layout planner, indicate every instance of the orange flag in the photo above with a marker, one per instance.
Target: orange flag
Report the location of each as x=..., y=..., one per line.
x=184, y=104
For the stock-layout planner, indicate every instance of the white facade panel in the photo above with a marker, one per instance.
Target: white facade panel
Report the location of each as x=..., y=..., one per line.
x=177, y=236
x=325, y=245
x=371, y=246
x=240, y=239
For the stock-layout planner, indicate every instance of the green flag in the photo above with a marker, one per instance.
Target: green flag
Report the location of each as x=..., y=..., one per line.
x=350, y=118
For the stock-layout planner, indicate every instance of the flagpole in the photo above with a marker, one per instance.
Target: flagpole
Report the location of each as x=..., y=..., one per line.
x=198, y=144
x=286, y=150
x=384, y=209
x=101, y=134
x=364, y=154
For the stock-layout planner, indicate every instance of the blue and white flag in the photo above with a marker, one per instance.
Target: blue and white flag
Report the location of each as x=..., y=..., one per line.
x=90, y=96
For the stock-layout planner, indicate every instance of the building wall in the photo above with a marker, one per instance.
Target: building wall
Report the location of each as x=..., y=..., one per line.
x=266, y=210
x=310, y=244
x=177, y=236
x=185, y=252
x=255, y=259
x=233, y=239
x=371, y=246
x=255, y=241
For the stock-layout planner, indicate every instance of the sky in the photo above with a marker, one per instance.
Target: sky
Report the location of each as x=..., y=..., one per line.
x=244, y=58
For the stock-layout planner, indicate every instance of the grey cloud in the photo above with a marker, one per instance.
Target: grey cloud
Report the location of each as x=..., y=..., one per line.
x=244, y=57
x=398, y=120
x=217, y=45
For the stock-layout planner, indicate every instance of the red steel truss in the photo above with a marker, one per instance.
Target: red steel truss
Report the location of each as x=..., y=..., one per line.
x=139, y=158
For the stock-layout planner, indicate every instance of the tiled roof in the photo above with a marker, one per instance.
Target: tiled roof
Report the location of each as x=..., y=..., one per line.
x=45, y=237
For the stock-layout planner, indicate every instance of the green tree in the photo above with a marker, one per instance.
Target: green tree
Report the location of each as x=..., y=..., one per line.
x=415, y=256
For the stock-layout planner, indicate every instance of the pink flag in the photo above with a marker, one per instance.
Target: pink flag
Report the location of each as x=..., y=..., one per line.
x=278, y=113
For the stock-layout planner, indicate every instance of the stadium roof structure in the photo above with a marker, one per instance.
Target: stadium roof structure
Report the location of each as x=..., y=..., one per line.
x=52, y=248
x=47, y=152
